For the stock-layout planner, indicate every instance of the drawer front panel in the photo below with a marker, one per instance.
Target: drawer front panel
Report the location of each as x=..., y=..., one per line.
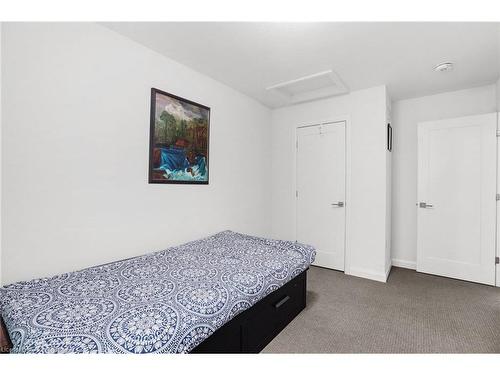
x=290, y=302
x=277, y=310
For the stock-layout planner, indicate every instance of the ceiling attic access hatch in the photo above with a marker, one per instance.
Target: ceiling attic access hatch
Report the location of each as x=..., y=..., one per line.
x=315, y=86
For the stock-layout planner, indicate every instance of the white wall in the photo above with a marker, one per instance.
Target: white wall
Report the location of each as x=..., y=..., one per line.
x=366, y=205
x=406, y=115
x=75, y=153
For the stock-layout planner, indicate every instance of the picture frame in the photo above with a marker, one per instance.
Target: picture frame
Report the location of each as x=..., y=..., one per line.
x=178, y=141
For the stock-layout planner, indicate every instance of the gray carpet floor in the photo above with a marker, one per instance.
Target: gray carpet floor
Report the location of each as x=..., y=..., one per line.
x=411, y=313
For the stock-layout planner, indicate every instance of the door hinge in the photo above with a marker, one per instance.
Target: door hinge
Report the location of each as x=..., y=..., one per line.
x=498, y=133
x=498, y=197
x=296, y=193
x=497, y=260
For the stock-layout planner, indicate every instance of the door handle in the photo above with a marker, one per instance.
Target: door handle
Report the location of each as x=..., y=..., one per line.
x=281, y=302
x=425, y=205
x=338, y=204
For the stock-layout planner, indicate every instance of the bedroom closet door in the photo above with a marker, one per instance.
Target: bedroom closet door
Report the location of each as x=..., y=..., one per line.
x=456, y=209
x=320, y=191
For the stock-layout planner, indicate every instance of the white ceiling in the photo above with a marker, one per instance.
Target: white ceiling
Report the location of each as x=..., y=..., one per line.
x=252, y=56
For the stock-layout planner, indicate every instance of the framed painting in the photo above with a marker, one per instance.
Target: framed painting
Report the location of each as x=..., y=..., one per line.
x=179, y=134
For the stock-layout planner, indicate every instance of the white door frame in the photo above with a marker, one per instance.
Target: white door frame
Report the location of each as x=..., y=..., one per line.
x=347, y=120
x=497, y=226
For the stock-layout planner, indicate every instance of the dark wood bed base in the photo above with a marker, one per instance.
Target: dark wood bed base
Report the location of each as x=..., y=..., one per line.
x=5, y=343
x=248, y=332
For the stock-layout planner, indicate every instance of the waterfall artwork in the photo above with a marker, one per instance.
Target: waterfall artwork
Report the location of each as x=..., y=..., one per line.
x=178, y=152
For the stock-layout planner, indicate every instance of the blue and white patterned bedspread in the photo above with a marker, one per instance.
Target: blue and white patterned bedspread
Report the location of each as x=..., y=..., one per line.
x=164, y=302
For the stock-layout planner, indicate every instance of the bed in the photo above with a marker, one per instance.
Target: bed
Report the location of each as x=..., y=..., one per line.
x=226, y=293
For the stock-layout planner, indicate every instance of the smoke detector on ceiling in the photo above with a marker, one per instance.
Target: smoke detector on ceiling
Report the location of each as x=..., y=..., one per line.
x=311, y=87
x=444, y=67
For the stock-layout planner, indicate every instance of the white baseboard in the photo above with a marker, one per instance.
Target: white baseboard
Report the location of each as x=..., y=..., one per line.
x=404, y=264
x=368, y=274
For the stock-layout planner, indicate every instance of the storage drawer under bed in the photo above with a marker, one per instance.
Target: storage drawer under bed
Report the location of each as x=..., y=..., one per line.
x=254, y=328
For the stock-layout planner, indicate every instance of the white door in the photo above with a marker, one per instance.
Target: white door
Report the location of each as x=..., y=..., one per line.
x=456, y=210
x=321, y=191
